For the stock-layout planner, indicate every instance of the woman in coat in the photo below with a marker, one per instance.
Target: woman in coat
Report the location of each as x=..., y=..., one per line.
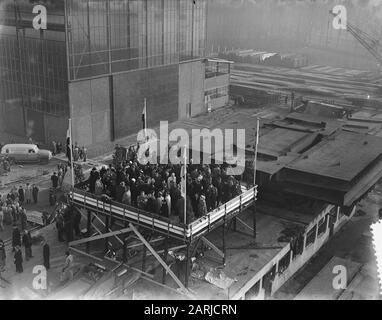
x=202, y=207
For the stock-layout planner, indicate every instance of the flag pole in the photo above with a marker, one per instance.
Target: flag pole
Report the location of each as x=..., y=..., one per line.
x=185, y=184
x=256, y=147
x=71, y=146
x=145, y=124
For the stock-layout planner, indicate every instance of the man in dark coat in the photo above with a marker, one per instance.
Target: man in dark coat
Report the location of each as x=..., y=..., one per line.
x=46, y=254
x=16, y=238
x=54, y=179
x=18, y=260
x=21, y=194
x=27, y=242
x=35, y=191
x=60, y=227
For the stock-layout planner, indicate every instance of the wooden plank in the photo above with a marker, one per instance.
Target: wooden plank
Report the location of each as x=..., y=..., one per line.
x=141, y=244
x=157, y=256
x=130, y=267
x=101, y=222
x=96, y=229
x=169, y=249
x=85, y=254
x=244, y=224
x=213, y=247
x=101, y=236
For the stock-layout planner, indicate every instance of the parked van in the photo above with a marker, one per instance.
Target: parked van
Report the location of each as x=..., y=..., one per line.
x=25, y=153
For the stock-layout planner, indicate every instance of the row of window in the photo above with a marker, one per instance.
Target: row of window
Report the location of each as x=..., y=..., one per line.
x=284, y=262
x=217, y=93
x=171, y=30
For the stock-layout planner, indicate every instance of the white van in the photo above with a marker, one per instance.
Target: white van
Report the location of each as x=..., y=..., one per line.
x=25, y=153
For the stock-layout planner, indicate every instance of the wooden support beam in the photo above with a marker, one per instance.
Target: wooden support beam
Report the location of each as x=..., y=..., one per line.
x=85, y=254
x=101, y=222
x=124, y=251
x=100, y=236
x=157, y=256
x=193, y=252
x=107, y=219
x=213, y=247
x=165, y=252
x=244, y=224
x=95, y=228
x=224, y=241
x=88, y=227
x=254, y=219
x=141, y=244
x=144, y=258
x=130, y=267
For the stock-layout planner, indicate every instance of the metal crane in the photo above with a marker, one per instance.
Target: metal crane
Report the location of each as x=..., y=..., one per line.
x=370, y=43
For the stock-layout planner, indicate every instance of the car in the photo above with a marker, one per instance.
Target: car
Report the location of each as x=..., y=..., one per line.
x=25, y=153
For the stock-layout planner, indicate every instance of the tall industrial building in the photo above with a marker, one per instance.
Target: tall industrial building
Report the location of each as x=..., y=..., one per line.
x=98, y=60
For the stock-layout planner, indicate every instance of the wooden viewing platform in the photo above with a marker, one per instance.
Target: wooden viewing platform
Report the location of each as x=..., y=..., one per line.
x=180, y=231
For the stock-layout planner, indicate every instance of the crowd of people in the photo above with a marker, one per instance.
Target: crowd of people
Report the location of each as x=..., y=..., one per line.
x=5, y=165
x=12, y=208
x=68, y=222
x=24, y=239
x=157, y=188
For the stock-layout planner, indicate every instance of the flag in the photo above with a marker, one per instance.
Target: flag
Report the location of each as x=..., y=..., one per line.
x=69, y=150
x=69, y=143
x=144, y=116
x=183, y=181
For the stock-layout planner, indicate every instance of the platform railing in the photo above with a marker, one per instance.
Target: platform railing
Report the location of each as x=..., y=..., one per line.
x=153, y=221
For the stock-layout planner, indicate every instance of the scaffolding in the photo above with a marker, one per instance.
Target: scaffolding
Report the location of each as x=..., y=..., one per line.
x=150, y=229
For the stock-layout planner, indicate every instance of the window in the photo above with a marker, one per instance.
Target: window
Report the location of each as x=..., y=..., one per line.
x=217, y=93
x=322, y=225
x=333, y=214
x=311, y=236
x=284, y=262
